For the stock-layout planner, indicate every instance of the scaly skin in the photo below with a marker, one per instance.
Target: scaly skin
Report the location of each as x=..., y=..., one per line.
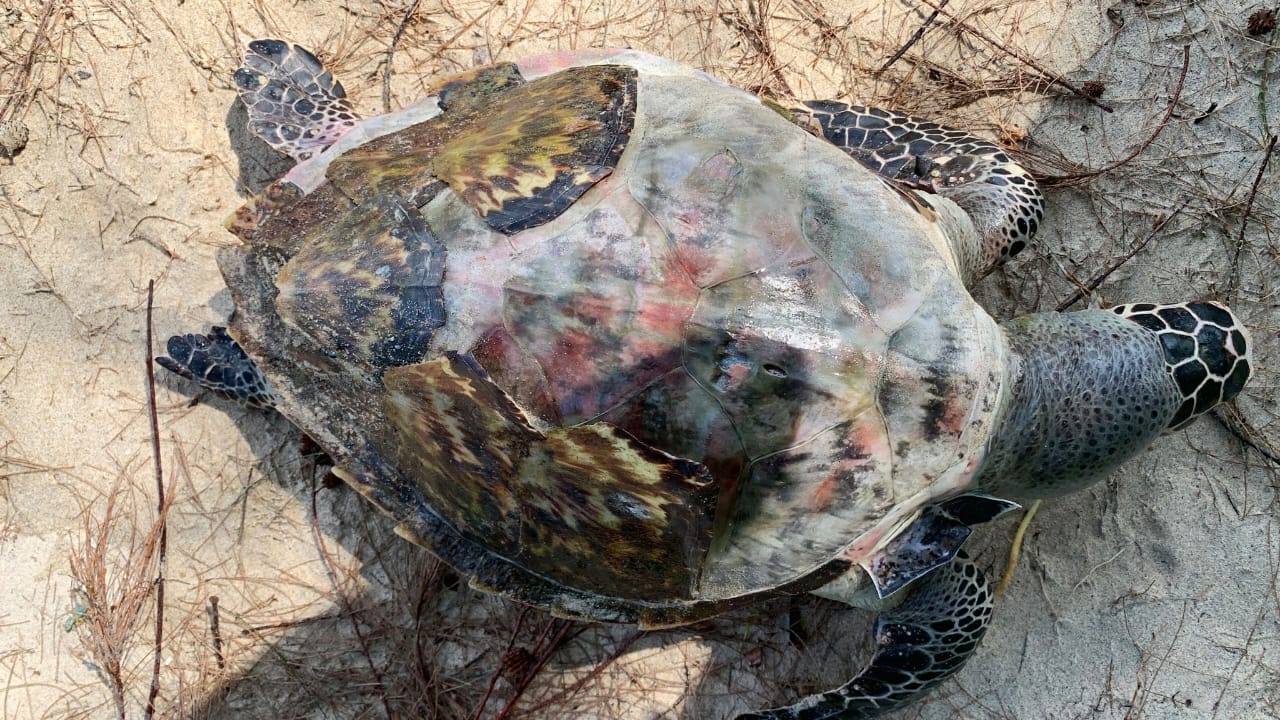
x=1091, y=389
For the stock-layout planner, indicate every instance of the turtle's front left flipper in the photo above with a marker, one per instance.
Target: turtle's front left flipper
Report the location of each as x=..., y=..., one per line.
x=919, y=644
x=219, y=365
x=1001, y=197
x=294, y=104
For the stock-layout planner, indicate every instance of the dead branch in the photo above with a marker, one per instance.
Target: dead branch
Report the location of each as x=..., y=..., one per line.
x=1173, y=103
x=1048, y=74
x=163, y=542
x=915, y=37
x=1103, y=274
x=1233, y=281
x=391, y=53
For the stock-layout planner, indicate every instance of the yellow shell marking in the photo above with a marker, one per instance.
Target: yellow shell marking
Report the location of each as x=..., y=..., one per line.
x=520, y=154
x=589, y=502
x=539, y=146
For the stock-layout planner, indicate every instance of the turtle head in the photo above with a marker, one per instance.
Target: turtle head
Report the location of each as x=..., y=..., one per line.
x=1207, y=351
x=1087, y=390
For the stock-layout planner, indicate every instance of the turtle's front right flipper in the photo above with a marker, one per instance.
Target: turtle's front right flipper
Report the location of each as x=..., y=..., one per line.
x=294, y=104
x=919, y=644
x=219, y=365
x=1001, y=197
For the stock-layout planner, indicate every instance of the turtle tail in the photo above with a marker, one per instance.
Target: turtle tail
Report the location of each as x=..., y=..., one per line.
x=919, y=644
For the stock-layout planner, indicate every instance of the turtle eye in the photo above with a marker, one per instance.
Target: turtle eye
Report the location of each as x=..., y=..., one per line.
x=774, y=370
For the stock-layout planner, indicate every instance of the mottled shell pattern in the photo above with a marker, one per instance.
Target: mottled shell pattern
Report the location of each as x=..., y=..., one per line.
x=618, y=339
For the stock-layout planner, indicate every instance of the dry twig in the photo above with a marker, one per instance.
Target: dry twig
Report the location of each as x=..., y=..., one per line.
x=1173, y=104
x=1045, y=72
x=915, y=37
x=391, y=53
x=1233, y=281
x=161, y=505
x=1104, y=273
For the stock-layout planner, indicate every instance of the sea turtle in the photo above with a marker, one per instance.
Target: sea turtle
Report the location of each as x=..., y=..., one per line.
x=619, y=340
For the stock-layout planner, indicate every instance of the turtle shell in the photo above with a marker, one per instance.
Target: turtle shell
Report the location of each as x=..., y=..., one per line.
x=617, y=339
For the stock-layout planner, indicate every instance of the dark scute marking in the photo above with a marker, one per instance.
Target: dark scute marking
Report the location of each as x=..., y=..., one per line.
x=530, y=154
x=1236, y=380
x=1179, y=319
x=894, y=167
x=932, y=540
x=1017, y=247
x=478, y=86
x=1189, y=376
x=306, y=55
x=1143, y=307
x=1212, y=313
x=882, y=141
x=218, y=363
x=976, y=509
x=1210, y=394
x=273, y=48
x=304, y=107
x=826, y=106
x=368, y=287
x=421, y=308
x=1150, y=322
x=1213, y=350
x=1238, y=343
x=919, y=147
x=587, y=505
x=245, y=79
x=1177, y=347
x=521, y=213
x=846, y=118
x=870, y=122
x=274, y=90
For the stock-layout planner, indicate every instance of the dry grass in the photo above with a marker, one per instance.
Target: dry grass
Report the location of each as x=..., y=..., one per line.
x=114, y=565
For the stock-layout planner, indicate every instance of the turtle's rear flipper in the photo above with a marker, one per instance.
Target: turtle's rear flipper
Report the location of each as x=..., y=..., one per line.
x=218, y=364
x=919, y=644
x=294, y=104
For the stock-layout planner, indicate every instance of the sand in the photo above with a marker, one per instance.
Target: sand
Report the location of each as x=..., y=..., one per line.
x=1151, y=595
